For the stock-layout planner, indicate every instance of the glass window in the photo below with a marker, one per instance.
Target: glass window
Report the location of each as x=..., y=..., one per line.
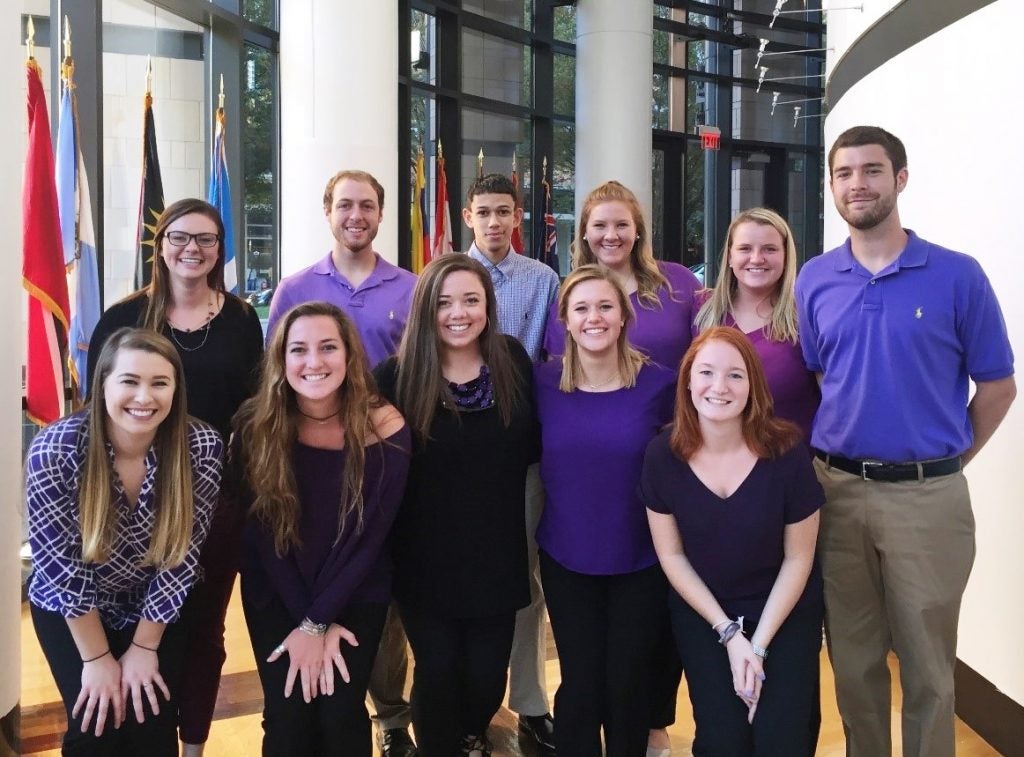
x=516, y=12
x=565, y=84
x=565, y=24
x=563, y=190
x=697, y=93
x=496, y=68
x=696, y=245
x=261, y=12
x=181, y=114
x=422, y=48
x=259, y=159
x=752, y=116
x=499, y=137
x=660, y=102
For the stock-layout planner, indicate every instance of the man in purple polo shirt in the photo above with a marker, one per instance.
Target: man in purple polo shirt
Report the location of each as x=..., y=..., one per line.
x=376, y=295
x=896, y=328
x=372, y=291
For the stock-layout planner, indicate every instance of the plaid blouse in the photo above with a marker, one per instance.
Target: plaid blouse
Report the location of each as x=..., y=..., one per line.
x=120, y=588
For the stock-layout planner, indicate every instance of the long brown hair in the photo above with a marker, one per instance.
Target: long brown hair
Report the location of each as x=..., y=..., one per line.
x=159, y=289
x=765, y=435
x=649, y=278
x=630, y=359
x=782, y=327
x=172, y=530
x=267, y=425
x=420, y=384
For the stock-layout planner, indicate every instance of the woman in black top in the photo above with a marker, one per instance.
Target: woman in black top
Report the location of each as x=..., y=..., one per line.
x=220, y=341
x=459, y=541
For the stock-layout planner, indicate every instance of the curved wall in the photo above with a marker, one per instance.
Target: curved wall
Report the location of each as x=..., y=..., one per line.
x=953, y=98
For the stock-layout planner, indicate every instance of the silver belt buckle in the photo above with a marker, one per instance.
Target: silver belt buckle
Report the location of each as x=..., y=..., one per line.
x=865, y=464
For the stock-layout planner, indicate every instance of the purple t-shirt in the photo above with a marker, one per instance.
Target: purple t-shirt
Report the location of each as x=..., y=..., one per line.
x=592, y=452
x=326, y=574
x=379, y=305
x=896, y=349
x=736, y=545
x=794, y=389
x=661, y=333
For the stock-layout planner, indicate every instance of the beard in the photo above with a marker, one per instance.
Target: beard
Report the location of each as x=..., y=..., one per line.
x=871, y=217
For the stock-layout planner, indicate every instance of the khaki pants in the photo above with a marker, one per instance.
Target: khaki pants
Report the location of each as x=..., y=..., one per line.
x=896, y=558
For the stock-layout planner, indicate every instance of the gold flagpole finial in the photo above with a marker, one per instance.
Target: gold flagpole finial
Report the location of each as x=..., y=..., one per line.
x=440, y=152
x=220, y=97
x=513, y=161
x=149, y=75
x=67, y=38
x=30, y=40
x=480, y=164
x=544, y=168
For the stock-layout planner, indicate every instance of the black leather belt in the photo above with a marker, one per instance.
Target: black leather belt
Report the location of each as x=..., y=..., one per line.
x=875, y=470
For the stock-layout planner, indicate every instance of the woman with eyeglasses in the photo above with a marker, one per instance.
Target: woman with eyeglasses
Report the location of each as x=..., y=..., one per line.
x=220, y=342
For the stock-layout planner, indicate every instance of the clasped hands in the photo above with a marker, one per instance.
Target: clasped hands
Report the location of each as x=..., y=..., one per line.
x=312, y=659
x=747, y=672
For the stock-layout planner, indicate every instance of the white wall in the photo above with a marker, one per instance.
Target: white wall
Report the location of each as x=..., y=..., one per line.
x=954, y=100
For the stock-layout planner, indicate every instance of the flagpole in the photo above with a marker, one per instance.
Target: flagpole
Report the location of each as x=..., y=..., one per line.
x=480, y=164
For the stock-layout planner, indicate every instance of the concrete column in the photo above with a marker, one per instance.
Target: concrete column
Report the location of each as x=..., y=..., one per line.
x=12, y=158
x=614, y=66
x=339, y=109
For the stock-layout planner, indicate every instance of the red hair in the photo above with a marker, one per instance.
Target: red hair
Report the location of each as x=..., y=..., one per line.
x=765, y=435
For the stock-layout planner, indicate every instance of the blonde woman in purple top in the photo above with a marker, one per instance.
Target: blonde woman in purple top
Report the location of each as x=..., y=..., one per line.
x=599, y=407
x=754, y=293
x=612, y=233
x=120, y=496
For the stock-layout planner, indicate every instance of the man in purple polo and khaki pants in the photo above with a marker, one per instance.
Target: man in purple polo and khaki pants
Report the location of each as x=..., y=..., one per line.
x=376, y=295
x=896, y=328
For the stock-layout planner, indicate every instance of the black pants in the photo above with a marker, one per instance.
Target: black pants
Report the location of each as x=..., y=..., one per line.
x=336, y=725
x=156, y=736
x=461, y=668
x=788, y=712
x=605, y=628
x=667, y=672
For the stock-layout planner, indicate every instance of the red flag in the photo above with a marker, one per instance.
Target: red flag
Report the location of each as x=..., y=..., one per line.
x=517, y=233
x=442, y=215
x=42, y=271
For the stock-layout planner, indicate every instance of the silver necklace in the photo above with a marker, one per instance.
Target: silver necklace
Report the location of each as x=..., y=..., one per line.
x=607, y=381
x=206, y=335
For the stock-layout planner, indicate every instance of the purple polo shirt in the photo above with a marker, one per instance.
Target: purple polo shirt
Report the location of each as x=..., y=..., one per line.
x=897, y=348
x=592, y=453
x=379, y=305
x=794, y=389
x=661, y=333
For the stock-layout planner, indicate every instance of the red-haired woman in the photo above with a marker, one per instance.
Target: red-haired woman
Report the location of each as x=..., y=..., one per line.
x=733, y=503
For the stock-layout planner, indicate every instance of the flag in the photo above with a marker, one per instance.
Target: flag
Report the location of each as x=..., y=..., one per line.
x=77, y=235
x=151, y=197
x=219, y=195
x=42, y=265
x=418, y=227
x=517, y=232
x=547, y=247
x=442, y=213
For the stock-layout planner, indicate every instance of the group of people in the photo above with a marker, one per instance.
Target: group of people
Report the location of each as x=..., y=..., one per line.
x=435, y=459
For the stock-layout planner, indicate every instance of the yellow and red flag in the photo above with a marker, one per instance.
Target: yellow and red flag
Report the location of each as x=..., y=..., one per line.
x=42, y=271
x=442, y=213
x=517, y=232
x=420, y=253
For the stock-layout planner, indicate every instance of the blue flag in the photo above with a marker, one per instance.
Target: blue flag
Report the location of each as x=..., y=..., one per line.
x=78, y=239
x=219, y=195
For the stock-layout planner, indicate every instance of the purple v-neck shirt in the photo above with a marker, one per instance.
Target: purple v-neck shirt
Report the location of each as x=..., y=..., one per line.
x=592, y=451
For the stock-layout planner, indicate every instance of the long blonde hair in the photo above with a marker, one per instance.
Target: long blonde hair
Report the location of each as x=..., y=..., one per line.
x=420, y=385
x=172, y=531
x=267, y=425
x=782, y=326
x=649, y=278
x=630, y=360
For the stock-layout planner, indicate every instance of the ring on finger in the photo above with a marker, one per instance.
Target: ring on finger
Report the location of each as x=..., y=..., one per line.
x=281, y=649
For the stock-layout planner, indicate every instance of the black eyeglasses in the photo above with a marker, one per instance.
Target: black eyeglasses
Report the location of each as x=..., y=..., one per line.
x=182, y=238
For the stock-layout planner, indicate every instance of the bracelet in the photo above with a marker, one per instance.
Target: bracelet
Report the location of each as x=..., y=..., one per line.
x=93, y=659
x=307, y=626
x=734, y=627
x=759, y=651
x=140, y=646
